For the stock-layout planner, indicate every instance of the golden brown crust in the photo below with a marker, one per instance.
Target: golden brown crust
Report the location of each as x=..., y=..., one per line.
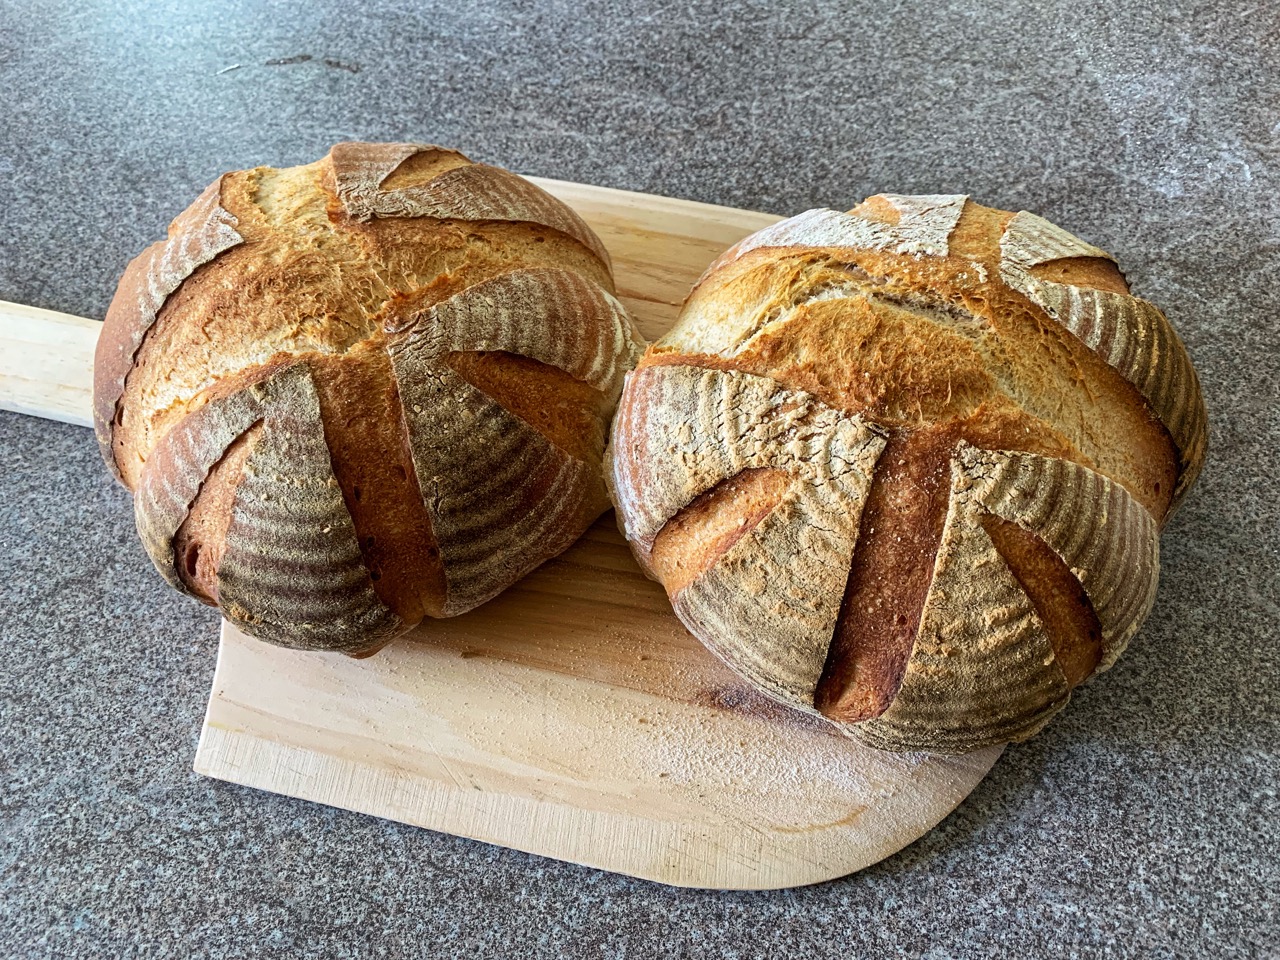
x=1100, y=531
x=176, y=472
x=982, y=668
x=571, y=414
x=971, y=605
x=258, y=360
x=889, y=577
x=200, y=233
x=697, y=536
x=360, y=408
x=501, y=496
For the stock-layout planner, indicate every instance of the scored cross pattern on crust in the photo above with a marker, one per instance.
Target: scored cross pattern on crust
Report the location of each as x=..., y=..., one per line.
x=768, y=605
x=781, y=582
x=982, y=665
x=1009, y=684
x=501, y=497
x=473, y=458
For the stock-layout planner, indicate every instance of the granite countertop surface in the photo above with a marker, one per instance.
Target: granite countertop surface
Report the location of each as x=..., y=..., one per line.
x=1144, y=822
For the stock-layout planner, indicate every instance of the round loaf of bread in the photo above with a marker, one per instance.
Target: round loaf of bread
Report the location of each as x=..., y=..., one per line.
x=354, y=394
x=905, y=467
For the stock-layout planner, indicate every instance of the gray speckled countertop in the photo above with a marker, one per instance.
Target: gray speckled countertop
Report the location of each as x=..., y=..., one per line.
x=1144, y=822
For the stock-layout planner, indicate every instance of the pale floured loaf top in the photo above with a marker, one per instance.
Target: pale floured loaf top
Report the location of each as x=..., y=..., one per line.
x=905, y=467
x=361, y=392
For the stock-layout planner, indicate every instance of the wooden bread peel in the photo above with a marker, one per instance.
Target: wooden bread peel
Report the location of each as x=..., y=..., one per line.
x=573, y=716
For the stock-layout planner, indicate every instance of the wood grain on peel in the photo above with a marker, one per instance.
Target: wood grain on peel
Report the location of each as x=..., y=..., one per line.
x=647, y=757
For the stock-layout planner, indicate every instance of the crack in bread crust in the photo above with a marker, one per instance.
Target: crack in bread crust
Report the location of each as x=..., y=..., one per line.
x=699, y=533
x=982, y=668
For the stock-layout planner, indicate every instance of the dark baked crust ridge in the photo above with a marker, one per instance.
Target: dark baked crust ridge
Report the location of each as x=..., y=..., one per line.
x=501, y=495
x=750, y=422
x=360, y=407
x=1131, y=334
x=890, y=574
x=1096, y=527
x=957, y=695
x=360, y=169
x=291, y=572
x=463, y=192
x=1056, y=595
x=196, y=236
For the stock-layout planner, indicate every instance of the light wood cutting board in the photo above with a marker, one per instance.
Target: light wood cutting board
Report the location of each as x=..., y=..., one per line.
x=572, y=717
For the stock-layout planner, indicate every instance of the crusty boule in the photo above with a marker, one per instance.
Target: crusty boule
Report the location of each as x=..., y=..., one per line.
x=361, y=392
x=905, y=467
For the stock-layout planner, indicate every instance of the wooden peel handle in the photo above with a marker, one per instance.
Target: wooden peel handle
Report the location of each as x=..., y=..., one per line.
x=46, y=363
